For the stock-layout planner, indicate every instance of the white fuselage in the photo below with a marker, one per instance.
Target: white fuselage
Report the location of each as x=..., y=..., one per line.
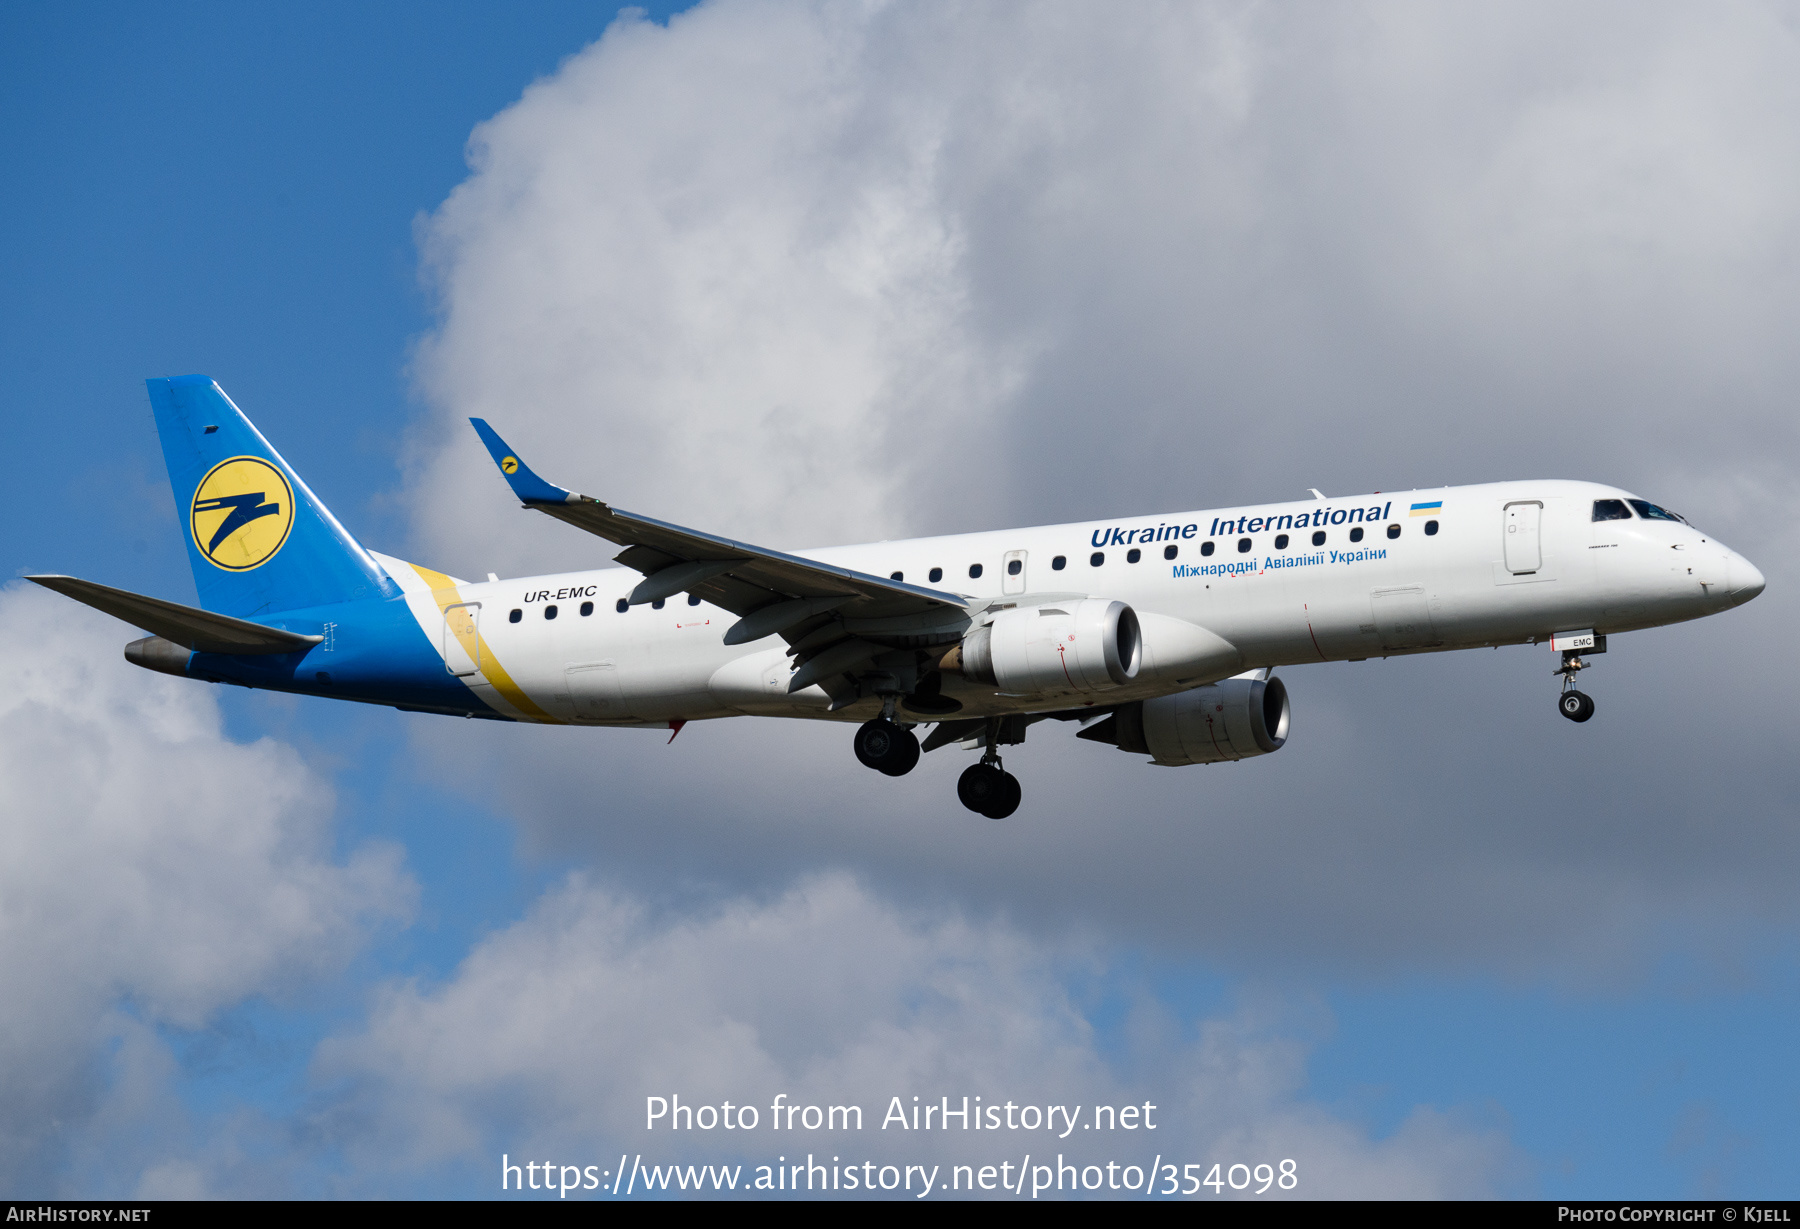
x=1509, y=563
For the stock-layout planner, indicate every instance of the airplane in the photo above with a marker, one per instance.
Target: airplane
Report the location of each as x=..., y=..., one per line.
x=1158, y=635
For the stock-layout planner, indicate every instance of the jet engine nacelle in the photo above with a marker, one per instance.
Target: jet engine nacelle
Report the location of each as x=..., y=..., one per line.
x=1230, y=720
x=1076, y=647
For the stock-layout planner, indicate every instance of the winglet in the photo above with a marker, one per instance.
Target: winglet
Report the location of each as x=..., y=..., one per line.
x=530, y=488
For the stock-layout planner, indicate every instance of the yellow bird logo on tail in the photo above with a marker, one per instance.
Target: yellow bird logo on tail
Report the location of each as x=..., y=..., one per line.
x=241, y=514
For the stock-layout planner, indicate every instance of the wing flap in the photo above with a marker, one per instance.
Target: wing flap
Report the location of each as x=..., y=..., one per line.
x=678, y=578
x=644, y=559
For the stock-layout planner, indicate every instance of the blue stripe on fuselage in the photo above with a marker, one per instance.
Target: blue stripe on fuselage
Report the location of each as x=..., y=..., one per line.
x=374, y=650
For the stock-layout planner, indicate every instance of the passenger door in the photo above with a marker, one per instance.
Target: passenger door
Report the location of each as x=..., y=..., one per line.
x=462, y=639
x=1524, y=548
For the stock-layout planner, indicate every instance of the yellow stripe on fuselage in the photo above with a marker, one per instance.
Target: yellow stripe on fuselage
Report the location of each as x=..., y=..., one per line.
x=445, y=594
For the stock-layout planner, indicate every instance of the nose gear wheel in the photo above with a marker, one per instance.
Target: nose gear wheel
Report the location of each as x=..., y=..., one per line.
x=887, y=746
x=1576, y=705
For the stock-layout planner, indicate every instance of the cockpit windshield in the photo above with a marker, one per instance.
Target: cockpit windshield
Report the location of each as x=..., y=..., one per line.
x=1651, y=512
x=1611, y=510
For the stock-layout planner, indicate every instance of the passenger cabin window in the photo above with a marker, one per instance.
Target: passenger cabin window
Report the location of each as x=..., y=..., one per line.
x=515, y=616
x=897, y=576
x=1611, y=510
x=1394, y=530
x=657, y=604
x=549, y=612
x=1281, y=541
x=1206, y=548
x=622, y=606
x=1096, y=559
x=1059, y=563
x=936, y=574
x=694, y=598
x=1014, y=566
x=1319, y=538
x=1651, y=512
x=1170, y=551
x=974, y=571
x=587, y=608
x=1431, y=529
x=1243, y=546
x=1133, y=555
x=1356, y=534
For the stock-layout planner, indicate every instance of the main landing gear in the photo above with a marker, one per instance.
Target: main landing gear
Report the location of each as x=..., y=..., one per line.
x=1576, y=705
x=887, y=746
x=987, y=788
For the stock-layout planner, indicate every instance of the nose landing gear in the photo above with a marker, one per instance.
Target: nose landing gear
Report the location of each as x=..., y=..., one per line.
x=1577, y=706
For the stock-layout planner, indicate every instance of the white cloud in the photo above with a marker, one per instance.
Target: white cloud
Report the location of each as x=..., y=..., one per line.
x=155, y=873
x=1426, y=815
x=733, y=302
x=808, y=273
x=814, y=273
x=817, y=272
x=547, y=1041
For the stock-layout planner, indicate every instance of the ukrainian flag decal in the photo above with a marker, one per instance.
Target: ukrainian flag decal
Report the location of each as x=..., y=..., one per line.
x=1431, y=509
x=241, y=514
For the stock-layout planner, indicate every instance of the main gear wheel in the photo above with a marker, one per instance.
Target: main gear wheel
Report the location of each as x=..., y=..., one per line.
x=988, y=789
x=887, y=746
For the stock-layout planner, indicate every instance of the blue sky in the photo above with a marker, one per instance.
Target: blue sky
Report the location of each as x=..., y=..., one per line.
x=199, y=186
x=207, y=188
x=1464, y=934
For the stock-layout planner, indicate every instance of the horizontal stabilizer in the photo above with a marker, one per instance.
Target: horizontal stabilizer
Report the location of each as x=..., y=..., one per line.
x=199, y=630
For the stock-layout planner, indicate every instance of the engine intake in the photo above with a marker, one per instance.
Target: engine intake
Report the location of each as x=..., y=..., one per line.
x=1230, y=720
x=1069, y=648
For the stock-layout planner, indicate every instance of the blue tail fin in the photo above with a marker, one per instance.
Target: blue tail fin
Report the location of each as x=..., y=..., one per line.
x=258, y=539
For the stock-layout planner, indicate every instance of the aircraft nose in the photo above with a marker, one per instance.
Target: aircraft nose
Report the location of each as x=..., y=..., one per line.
x=1743, y=579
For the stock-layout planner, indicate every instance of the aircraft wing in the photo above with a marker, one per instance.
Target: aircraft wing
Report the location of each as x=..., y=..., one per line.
x=772, y=591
